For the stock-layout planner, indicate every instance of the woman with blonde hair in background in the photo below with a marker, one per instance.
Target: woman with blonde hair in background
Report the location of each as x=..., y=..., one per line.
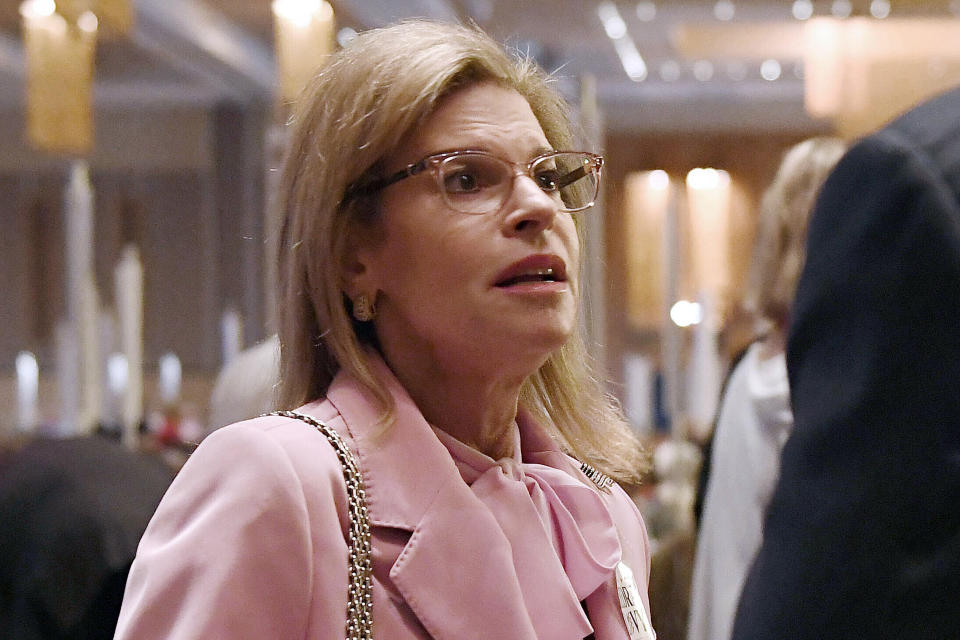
x=429, y=259
x=754, y=418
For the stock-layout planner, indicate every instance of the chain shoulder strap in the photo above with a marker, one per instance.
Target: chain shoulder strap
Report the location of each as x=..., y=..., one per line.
x=602, y=480
x=360, y=587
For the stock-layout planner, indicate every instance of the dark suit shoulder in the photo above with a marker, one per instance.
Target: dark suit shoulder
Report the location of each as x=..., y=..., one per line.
x=931, y=130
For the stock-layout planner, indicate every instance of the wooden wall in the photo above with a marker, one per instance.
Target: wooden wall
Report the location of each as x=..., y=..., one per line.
x=750, y=159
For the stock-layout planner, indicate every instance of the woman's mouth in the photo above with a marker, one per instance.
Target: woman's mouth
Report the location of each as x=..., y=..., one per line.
x=534, y=273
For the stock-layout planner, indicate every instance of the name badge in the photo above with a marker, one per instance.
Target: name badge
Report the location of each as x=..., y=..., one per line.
x=631, y=606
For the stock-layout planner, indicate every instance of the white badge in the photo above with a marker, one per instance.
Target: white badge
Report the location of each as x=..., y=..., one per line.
x=631, y=605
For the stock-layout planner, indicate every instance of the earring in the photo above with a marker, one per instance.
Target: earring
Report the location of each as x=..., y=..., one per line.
x=363, y=309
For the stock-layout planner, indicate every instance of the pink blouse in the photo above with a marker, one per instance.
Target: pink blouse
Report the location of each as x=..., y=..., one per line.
x=564, y=540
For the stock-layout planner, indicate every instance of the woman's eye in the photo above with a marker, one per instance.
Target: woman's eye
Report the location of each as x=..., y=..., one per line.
x=548, y=180
x=461, y=182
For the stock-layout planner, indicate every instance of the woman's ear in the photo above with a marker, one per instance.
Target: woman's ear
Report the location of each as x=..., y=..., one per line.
x=356, y=273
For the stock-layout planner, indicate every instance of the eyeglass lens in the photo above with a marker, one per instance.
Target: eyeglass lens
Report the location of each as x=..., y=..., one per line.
x=479, y=183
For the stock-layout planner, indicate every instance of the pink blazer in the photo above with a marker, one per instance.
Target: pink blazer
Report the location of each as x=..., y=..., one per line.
x=250, y=539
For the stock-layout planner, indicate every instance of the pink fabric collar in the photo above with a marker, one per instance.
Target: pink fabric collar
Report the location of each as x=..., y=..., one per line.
x=533, y=591
x=554, y=522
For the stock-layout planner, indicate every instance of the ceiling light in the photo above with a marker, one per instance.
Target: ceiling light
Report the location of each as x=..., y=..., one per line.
x=802, y=9
x=724, y=10
x=613, y=24
x=702, y=70
x=37, y=8
x=346, y=35
x=841, y=8
x=708, y=178
x=298, y=12
x=770, y=70
x=88, y=22
x=880, y=9
x=616, y=28
x=658, y=179
x=646, y=11
x=631, y=59
x=685, y=313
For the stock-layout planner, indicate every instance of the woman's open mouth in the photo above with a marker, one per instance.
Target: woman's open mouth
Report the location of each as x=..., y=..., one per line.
x=536, y=273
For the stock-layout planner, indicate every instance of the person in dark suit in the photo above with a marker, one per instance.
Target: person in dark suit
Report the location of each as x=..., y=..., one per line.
x=862, y=537
x=72, y=511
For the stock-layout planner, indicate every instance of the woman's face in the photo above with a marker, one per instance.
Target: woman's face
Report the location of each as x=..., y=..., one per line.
x=492, y=291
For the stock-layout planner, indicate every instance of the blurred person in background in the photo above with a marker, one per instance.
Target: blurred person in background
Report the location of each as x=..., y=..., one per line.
x=754, y=418
x=862, y=535
x=246, y=385
x=72, y=511
x=429, y=261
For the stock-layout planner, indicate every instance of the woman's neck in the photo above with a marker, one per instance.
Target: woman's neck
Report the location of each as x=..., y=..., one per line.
x=478, y=410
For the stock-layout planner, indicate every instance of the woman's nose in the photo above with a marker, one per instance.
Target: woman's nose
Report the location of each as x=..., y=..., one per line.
x=529, y=209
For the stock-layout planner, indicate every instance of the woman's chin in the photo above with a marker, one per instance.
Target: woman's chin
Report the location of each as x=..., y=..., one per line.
x=533, y=346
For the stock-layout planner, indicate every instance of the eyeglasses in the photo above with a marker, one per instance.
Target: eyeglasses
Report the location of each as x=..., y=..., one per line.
x=479, y=182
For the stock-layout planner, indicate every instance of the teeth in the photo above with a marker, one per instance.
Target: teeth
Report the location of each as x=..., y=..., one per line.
x=545, y=274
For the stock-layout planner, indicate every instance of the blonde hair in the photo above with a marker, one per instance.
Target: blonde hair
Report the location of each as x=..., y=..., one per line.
x=366, y=99
x=780, y=246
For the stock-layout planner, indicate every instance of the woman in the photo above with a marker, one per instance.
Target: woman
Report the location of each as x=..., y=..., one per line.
x=754, y=418
x=429, y=266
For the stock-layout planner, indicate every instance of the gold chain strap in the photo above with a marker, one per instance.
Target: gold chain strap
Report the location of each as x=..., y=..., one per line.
x=360, y=587
x=602, y=480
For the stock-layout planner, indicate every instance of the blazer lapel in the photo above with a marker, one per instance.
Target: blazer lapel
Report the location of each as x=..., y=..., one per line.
x=457, y=566
x=457, y=569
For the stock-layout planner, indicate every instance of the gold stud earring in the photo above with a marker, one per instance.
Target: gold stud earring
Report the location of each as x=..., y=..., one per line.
x=363, y=309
